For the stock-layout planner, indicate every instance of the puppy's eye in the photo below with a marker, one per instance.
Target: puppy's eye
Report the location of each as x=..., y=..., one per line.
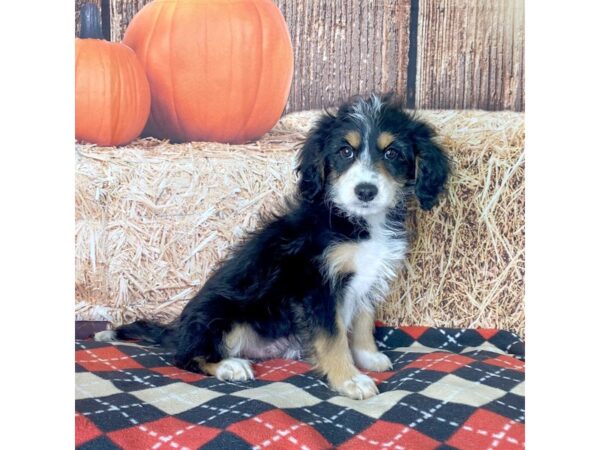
x=346, y=152
x=391, y=154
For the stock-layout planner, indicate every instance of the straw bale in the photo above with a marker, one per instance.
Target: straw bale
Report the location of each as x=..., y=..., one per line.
x=153, y=219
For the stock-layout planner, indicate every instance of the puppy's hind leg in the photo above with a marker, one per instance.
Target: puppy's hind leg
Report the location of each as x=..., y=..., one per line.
x=206, y=350
x=228, y=369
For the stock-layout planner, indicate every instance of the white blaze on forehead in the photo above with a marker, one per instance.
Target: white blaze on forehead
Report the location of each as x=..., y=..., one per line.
x=365, y=157
x=366, y=114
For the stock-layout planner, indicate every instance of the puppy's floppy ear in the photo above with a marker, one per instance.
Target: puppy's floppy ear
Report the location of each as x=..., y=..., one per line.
x=311, y=164
x=433, y=166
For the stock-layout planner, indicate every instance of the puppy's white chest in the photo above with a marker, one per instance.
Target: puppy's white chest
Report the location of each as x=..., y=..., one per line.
x=376, y=262
x=370, y=262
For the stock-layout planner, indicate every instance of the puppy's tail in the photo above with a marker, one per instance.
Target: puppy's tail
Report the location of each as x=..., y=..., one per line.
x=143, y=330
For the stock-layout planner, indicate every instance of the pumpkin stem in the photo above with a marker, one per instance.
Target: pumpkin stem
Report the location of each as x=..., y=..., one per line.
x=91, y=24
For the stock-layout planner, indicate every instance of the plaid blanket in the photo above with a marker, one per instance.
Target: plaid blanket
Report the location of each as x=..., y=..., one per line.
x=449, y=388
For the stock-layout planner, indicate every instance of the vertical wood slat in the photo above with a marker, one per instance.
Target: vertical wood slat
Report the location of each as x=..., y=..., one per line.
x=121, y=13
x=78, y=5
x=470, y=54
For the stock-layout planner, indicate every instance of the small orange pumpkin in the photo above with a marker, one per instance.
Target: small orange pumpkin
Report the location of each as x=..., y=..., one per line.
x=112, y=95
x=219, y=70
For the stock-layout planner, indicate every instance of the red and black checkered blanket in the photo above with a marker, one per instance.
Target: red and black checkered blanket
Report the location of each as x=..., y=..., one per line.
x=449, y=388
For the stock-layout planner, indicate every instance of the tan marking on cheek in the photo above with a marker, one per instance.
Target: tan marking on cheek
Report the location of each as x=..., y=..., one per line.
x=384, y=140
x=339, y=258
x=334, y=175
x=353, y=138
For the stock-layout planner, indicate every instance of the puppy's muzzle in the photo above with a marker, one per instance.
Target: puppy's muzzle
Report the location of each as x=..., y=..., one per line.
x=365, y=192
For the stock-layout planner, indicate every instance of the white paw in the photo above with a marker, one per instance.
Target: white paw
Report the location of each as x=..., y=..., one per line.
x=234, y=369
x=375, y=361
x=359, y=387
x=105, y=336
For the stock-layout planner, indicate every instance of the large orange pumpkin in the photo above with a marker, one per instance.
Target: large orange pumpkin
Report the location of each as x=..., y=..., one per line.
x=112, y=95
x=219, y=70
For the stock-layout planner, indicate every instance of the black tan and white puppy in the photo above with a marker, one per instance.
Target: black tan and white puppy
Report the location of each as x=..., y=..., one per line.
x=307, y=282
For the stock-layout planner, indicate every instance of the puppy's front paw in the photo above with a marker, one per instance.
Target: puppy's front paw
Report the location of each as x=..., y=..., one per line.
x=359, y=387
x=375, y=361
x=234, y=369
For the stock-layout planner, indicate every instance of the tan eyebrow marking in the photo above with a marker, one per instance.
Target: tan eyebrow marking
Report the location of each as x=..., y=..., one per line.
x=353, y=138
x=384, y=140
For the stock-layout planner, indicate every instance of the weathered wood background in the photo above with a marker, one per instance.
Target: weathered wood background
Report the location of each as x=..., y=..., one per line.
x=450, y=54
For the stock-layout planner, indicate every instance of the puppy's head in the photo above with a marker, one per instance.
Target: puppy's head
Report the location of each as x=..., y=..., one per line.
x=364, y=157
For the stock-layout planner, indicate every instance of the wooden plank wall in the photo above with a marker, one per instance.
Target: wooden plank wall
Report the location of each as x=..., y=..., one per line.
x=437, y=54
x=470, y=54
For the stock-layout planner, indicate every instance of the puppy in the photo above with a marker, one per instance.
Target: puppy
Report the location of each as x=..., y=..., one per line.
x=306, y=284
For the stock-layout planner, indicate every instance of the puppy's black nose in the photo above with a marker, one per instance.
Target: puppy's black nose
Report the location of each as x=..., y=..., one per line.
x=365, y=191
